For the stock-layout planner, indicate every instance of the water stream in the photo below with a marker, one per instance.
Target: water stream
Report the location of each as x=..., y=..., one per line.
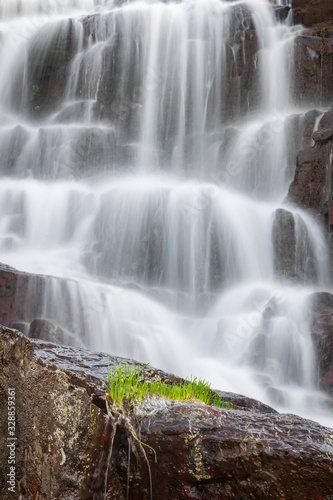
x=145, y=148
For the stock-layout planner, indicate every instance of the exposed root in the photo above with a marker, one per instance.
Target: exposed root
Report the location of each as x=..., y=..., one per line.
x=128, y=468
x=118, y=414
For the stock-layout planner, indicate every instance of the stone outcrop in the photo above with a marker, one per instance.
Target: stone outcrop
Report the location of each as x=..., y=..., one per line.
x=314, y=52
x=313, y=69
x=293, y=257
x=14, y=288
x=322, y=335
x=26, y=304
x=63, y=438
x=312, y=12
x=48, y=69
x=44, y=329
x=312, y=185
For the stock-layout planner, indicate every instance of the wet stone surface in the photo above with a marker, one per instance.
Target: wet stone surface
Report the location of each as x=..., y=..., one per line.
x=202, y=452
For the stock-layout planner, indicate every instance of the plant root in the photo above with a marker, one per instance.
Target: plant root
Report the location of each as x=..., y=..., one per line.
x=118, y=415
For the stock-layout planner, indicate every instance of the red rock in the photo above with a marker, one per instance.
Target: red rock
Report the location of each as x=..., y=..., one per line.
x=322, y=335
x=309, y=188
x=313, y=70
x=63, y=441
x=327, y=381
x=289, y=263
x=323, y=136
x=311, y=12
x=13, y=293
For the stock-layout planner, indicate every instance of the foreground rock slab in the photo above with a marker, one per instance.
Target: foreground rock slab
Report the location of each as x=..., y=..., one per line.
x=63, y=438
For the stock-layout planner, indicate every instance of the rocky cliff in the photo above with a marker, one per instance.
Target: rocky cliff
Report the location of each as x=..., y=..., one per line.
x=312, y=186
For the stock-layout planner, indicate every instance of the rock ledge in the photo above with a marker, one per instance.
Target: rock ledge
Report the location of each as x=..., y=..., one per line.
x=63, y=439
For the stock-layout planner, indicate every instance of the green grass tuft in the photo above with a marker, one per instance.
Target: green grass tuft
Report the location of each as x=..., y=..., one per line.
x=125, y=383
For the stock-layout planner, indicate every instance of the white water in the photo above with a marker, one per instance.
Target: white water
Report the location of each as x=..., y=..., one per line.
x=158, y=206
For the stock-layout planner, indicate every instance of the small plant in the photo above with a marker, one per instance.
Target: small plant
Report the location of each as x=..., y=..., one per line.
x=37, y=90
x=37, y=96
x=125, y=384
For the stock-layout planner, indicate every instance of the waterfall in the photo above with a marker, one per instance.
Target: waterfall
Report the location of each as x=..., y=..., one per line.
x=146, y=155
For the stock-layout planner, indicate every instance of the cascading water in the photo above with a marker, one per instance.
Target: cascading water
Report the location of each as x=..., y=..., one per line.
x=145, y=154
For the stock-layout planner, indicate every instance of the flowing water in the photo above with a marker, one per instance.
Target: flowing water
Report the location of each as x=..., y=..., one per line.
x=145, y=148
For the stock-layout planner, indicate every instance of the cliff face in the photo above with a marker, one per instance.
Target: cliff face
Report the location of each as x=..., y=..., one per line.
x=312, y=12
x=314, y=52
x=312, y=185
x=63, y=435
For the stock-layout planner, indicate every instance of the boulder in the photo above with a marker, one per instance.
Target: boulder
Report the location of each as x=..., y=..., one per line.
x=326, y=121
x=54, y=419
x=63, y=438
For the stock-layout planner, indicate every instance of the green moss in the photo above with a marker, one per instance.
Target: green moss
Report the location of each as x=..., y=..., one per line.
x=37, y=91
x=36, y=97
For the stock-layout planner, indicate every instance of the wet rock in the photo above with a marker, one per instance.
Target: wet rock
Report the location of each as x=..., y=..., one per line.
x=47, y=68
x=73, y=156
x=63, y=439
x=326, y=121
x=281, y=12
x=323, y=136
x=44, y=329
x=312, y=12
x=14, y=289
x=293, y=255
x=27, y=301
x=300, y=131
x=276, y=395
x=229, y=475
x=308, y=126
x=313, y=70
x=242, y=89
x=59, y=431
x=120, y=101
x=327, y=381
x=244, y=403
x=92, y=366
x=322, y=335
x=12, y=144
x=312, y=187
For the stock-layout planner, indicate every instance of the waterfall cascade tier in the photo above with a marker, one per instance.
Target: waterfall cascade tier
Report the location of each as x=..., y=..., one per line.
x=146, y=152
